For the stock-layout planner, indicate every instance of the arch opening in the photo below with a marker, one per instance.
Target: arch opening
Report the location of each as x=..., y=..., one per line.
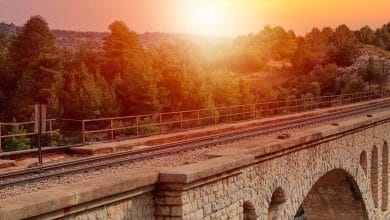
x=363, y=161
x=249, y=211
x=385, y=176
x=277, y=200
x=334, y=196
x=374, y=175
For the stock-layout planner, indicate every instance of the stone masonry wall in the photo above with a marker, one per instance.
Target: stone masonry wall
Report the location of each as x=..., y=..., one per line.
x=294, y=174
x=139, y=207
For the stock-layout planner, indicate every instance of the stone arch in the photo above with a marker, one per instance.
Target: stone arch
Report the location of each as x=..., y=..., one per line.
x=363, y=161
x=374, y=175
x=331, y=159
x=335, y=195
x=385, y=176
x=275, y=206
x=249, y=211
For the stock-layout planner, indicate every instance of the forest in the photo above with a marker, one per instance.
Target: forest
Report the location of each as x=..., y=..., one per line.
x=126, y=78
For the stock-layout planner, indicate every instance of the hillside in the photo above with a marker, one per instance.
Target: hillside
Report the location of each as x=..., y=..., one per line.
x=94, y=40
x=381, y=59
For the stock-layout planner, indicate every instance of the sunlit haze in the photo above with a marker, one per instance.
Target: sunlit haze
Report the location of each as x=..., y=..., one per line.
x=216, y=17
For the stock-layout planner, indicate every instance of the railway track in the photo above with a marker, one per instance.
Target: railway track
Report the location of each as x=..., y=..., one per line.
x=98, y=162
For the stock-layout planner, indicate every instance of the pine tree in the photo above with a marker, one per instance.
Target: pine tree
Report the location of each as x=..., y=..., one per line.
x=370, y=73
x=34, y=62
x=128, y=71
x=4, y=74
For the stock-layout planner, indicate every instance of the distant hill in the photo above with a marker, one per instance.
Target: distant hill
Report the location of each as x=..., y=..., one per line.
x=94, y=40
x=9, y=29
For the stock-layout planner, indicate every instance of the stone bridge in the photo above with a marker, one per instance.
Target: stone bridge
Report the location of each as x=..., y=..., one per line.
x=329, y=172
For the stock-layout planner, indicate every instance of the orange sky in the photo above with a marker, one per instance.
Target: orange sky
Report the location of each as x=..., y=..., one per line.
x=210, y=17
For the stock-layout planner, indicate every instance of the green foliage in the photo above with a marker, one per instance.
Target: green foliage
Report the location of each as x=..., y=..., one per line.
x=346, y=43
x=371, y=73
x=17, y=143
x=129, y=71
x=365, y=35
x=251, y=52
x=263, y=92
x=337, y=46
x=316, y=48
x=180, y=71
x=382, y=37
x=5, y=79
x=86, y=95
x=353, y=86
x=314, y=88
x=34, y=62
x=300, y=212
x=149, y=127
x=124, y=78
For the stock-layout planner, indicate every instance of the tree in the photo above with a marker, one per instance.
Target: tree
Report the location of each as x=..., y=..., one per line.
x=346, y=44
x=181, y=73
x=129, y=71
x=86, y=95
x=370, y=73
x=365, y=35
x=353, y=86
x=314, y=88
x=5, y=92
x=316, y=48
x=17, y=143
x=382, y=37
x=34, y=61
x=122, y=51
x=326, y=77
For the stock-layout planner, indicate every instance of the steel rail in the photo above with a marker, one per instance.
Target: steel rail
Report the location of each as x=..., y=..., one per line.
x=163, y=149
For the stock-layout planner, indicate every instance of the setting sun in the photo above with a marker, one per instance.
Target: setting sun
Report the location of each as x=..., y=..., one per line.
x=204, y=18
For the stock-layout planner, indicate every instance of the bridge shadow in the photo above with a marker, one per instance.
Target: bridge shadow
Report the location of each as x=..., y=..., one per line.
x=277, y=200
x=334, y=196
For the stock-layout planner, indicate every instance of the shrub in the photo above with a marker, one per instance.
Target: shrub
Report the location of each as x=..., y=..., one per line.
x=17, y=143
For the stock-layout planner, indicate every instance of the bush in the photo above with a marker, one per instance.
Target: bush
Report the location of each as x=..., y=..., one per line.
x=17, y=143
x=150, y=128
x=47, y=140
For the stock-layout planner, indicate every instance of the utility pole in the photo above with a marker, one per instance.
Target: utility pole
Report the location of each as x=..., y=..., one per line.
x=40, y=127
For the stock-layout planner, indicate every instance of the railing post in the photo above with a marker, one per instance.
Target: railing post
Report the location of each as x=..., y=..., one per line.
x=160, y=122
x=215, y=116
x=198, y=118
x=1, y=127
x=230, y=113
x=137, y=126
x=242, y=112
x=83, y=130
x=312, y=103
x=112, y=129
x=50, y=130
x=181, y=120
x=255, y=111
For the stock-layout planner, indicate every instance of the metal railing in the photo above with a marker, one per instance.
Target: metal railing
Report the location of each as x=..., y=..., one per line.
x=151, y=124
x=27, y=126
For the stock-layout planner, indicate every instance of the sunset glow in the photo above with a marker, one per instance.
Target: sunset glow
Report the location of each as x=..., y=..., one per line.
x=216, y=17
x=205, y=19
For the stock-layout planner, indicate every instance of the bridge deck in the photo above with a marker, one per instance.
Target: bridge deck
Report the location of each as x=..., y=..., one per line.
x=101, y=148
